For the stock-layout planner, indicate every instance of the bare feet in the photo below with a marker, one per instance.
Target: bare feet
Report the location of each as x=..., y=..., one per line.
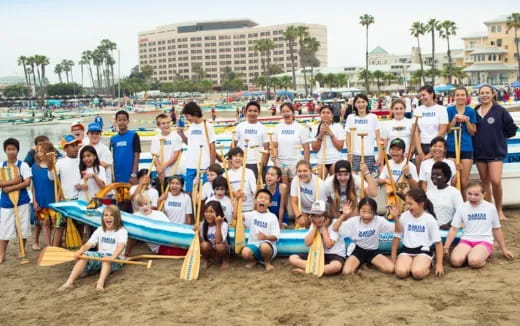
x=2, y=259
x=298, y=271
x=36, y=247
x=501, y=216
x=251, y=265
x=65, y=287
x=268, y=267
x=204, y=264
x=225, y=264
x=100, y=287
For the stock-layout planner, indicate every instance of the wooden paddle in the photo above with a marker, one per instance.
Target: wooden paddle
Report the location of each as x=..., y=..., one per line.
x=259, y=181
x=232, y=139
x=457, y=133
x=225, y=163
x=362, y=135
x=392, y=196
x=9, y=173
x=351, y=140
x=161, y=160
x=191, y=265
x=240, y=234
x=271, y=146
x=412, y=139
x=323, y=157
x=174, y=171
x=315, y=264
x=55, y=255
x=138, y=257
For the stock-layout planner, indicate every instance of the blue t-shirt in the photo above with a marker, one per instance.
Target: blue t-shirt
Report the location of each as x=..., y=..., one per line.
x=43, y=186
x=123, y=148
x=466, y=142
x=5, y=201
x=276, y=201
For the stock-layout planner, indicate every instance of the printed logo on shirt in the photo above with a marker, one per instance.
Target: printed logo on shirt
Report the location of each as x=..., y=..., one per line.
x=167, y=142
x=274, y=203
x=287, y=132
x=250, y=131
x=397, y=172
x=196, y=132
x=361, y=121
x=416, y=228
x=398, y=128
x=108, y=240
x=366, y=233
x=174, y=204
x=476, y=216
x=211, y=236
x=235, y=182
x=261, y=224
x=490, y=120
x=121, y=143
x=306, y=191
x=429, y=114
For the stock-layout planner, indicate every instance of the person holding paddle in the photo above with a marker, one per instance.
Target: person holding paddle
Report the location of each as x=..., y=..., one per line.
x=221, y=195
x=399, y=127
x=328, y=138
x=401, y=169
x=214, y=235
x=14, y=199
x=144, y=187
x=111, y=238
x=236, y=157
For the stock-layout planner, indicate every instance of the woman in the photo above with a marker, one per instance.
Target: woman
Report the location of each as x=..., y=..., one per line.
x=289, y=138
x=495, y=125
x=398, y=127
x=334, y=137
x=433, y=122
x=463, y=116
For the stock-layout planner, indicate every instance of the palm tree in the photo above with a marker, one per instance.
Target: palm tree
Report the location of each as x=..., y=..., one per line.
x=97, y=60
x=341, y=79
x=58, y=69
x=367, y=75
x=513, y=22
x=66, y=68
x=285, y=82
x=433, y=25
x=22, y=61
x=311, y=45
x=109, y=46
x=38, y=59
x=366, y=20
x=417, y=30
x=71, y=64
x=448, y=28
x=290, y=35
x=86, y=56
x=264, y=47
x=81, y=63
x=378, y=76
x=31, y=61
x=302, y=34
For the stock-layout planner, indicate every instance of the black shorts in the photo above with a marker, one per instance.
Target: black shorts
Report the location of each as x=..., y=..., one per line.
x=426, y=148
x=463, y=155
x=489, y=160
x=364, y=256
x=417, y=251
x=328, y=258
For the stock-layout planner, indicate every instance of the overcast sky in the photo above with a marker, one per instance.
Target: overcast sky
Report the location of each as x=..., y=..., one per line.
x=63, y=29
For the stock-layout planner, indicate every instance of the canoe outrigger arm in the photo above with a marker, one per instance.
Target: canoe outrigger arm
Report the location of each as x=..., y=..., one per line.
x=122, y=193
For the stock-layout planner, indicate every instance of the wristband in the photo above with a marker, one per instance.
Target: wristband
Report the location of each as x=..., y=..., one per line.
x=133, y=175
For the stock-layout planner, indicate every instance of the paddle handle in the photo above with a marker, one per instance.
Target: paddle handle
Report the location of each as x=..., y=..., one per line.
x=120, y=261
x=323, y=156
x=362, y=161
x=175, y=167
x=457, y=133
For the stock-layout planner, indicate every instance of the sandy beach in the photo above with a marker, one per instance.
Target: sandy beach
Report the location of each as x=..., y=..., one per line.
x=239, y=296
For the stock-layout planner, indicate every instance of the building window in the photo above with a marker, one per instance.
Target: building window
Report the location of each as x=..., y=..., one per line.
x=492, y=43
x=499, y=28
x=499, y=42
x=493, y=29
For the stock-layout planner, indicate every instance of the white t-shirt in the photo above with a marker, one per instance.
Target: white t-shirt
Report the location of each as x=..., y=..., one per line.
x=176, y=207
x=329, y=188
x=256, y=133
x=107, y=241
x=431, y=117
x=68, y=171
x=93, y=187
x=391, y=131
x=172, y=144
x=339, y=246
x=156, y=216
x=105, y=155
x=212, y=230
x=227, y=206
x=445, y=203
x=267, y=223
x=408, y=104
x=397, y=170
x=207, y=190
x=288, y=137
x=332, y=155
x=425, y=174
x=477, y=222
x=151, y=192
x=308, y=192
x=365, y=236
x=368, y=124
x=197, y=136
x=418, y=232
x=249, y=186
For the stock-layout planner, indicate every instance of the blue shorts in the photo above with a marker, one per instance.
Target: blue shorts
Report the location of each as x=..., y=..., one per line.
x=190, y=175
x=94, y=266
x=256, y=251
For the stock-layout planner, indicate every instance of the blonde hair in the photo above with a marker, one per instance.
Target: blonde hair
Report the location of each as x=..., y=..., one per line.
x=116, y=214
x=142, y=199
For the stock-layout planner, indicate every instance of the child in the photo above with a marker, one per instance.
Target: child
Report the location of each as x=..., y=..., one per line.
x=236, y=156
x=399, y=167
x=264, y=231
x=178, y=207
x=213, y=235
x=199, y=133
x=446, y=199
x=214, y=171
x=169, y=154
x=78, y=131
x=220, y=188
x=126, y=147
x=106, y=159
x=93, y=175
x=30, y=158
x=438, y=153
x=418, y=230
x=144, y=187
x=480, y=227
x=111, y=238
x=399, y=127
x=20, y=183
x=279, y=190
x=307, y=184
x=334, y=245
x=364, y=231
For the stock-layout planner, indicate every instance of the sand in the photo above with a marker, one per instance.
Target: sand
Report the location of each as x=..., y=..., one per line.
x=239, y=296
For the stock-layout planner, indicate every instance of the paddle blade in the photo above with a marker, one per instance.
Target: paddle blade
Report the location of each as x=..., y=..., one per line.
x=316, y=258
x=191, y=265
x=72, y=236
x=54, y=256
x=240, y=235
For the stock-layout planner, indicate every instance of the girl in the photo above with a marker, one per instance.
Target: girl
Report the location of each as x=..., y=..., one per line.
x=364, y=231
x=398, y=127
x=144, y=187
x=463, y=116
x=438, y=154
x=279, y=190
x=289, y=135
x=333, y=243
x=433, y=122
x=333, y=134
x=93, y=175
x=480, y=227
x=310, y=188
x=364, y=122
x=418, y=231
x=178, y=206
x=344, y=186
x=495, y=125
x=111, y=238
x=220, y=188
x=236, y=157
x=213, y=235
x=445, y=198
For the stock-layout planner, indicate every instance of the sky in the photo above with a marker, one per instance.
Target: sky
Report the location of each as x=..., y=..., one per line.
x=63, y=29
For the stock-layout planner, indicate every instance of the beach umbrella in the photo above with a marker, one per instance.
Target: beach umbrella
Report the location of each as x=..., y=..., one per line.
x=516, y=84
x=444, y=88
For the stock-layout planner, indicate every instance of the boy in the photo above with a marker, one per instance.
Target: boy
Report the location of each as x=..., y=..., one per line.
x=172, y=146
x=126, y=147
x=214, y=171
x=256, y=133
x=199, y=133
x=105, y=156
x=29, y=158
x=78, y=131
x=398, y=167
x=264, y=231
x=20, y=183
x=236, y=156
x=99, y=120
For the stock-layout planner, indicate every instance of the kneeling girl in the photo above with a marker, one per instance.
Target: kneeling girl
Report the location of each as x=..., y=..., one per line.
x=213, y=234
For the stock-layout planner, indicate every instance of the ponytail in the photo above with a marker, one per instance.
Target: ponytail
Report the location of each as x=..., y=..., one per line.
x=419, y=196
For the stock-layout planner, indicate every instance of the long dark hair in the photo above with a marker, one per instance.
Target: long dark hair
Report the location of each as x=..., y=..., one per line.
x=370, y=202
x=321, y=109
x=363, y=97
x=419, y=196
x=428, y=89
x=82, y=166
x=218, y=212
x=351, y=188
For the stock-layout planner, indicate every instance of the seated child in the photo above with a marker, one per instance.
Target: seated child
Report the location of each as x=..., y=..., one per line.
x=213, y=235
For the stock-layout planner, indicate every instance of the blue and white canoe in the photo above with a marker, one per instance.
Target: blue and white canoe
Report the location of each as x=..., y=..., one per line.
x=180, y=235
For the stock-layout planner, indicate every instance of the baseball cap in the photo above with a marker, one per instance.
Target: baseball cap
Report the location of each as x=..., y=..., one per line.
x=398, y=142
x=94, y=127
x=318, y=207
x=77, y=124
x=69, y=139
